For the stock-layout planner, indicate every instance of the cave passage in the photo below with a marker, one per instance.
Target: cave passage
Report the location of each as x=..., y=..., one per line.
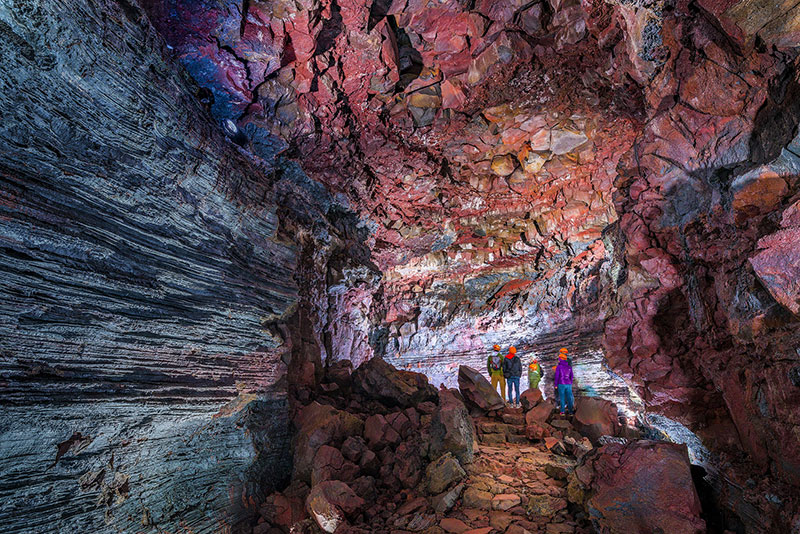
x=254, y=256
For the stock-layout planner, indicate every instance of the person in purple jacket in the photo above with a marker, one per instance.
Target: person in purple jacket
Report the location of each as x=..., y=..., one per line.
x=563, y=382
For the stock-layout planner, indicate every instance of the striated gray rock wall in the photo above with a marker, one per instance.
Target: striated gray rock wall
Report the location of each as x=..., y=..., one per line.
x=140, y=267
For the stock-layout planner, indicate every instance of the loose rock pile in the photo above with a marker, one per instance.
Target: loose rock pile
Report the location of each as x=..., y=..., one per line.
x=396, y=456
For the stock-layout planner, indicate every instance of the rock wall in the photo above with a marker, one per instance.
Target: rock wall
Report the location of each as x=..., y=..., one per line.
x=142, y=266
x=705, y=320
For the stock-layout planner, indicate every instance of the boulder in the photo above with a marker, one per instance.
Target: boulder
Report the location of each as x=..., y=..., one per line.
x=379, y=433
x=353, y=448
x=503, y=165
x=596, y=417
x=476, y=498
x=408, y=464
x=329, y=464
x=443, y=472
x=453, y=525
x=319, y=425
x=364, y=487
x=641, y=486
x=330, y=502
x=339, y=373
x=452, y=429
x=535, y=432
x=777, y=266
x=539, y=414
x=544, y=506
x=282, y=510
x=443, y=502
x=530, y=398
x=401, y=423
x=505, y=501
x=478, y=393
x=379, y=380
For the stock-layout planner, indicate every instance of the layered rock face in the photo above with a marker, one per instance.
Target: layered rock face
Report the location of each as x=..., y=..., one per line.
x=147, y=276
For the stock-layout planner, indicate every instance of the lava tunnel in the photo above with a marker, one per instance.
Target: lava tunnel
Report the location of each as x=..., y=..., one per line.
x=255, y=257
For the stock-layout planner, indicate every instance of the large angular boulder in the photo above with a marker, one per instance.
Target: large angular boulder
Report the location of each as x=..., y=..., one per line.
x=452, y=429
x=408, y=464
x=530, y=398
x=379, y=433
x=478, y=393
x=539, y=414
x=379, y=380
x=329, y=503
x=443, y=472
x=596, y=417
x=319, y=425
x=777, y=266
x=641, y=486
x=329, y=464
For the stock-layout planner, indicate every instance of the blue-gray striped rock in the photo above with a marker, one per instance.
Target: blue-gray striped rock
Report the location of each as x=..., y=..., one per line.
x=141, y=263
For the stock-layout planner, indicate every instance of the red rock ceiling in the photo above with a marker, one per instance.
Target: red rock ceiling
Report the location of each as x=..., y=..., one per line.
x=498, y=140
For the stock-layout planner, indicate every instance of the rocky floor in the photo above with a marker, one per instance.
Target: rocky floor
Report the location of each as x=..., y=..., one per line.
x=381, y=451
x=516, y=487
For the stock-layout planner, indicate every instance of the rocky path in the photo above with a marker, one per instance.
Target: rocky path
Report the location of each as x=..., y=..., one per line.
x=516, y=488
x=512, y=486
x=383, y=452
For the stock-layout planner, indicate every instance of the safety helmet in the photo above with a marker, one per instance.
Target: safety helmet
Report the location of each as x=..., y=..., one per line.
x=513, y=350
x=496, y=347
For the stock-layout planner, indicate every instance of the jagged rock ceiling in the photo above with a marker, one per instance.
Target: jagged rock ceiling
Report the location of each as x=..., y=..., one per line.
x=418, y=180
x=621, y=166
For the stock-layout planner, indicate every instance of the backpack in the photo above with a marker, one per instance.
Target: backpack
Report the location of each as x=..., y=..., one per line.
x=496, y=363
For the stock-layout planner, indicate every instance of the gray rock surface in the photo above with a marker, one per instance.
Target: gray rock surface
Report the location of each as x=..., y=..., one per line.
x=140, y=261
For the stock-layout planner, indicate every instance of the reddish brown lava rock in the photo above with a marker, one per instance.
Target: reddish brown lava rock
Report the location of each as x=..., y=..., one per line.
x=318, y=425
x=642, y=487
x=330, y=502
x=477, y=391
x=777, y=265
x=596, y=417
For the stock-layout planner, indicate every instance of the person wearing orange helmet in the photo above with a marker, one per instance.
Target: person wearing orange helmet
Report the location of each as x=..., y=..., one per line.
x=512, y=370
x=535, y=373
x=494, y=365
x=562, y=380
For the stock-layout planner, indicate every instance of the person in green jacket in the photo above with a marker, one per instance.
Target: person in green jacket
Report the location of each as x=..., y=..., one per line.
x=494, y=364
x=535, y=373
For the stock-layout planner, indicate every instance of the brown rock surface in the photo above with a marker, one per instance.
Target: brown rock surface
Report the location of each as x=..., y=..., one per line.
x=596, y=417
x=641, y=486
x=330, y=502
x=379, y=380
x=477, y=391
x=452, y=429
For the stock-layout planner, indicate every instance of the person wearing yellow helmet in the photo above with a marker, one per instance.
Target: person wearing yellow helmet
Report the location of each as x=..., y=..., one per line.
x=494, y=365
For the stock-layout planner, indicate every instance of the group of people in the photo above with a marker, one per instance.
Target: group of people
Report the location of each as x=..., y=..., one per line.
x=506, y=370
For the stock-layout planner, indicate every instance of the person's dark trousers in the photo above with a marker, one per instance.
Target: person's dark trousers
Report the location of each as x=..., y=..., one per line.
x=565, y=395
x=513, y=382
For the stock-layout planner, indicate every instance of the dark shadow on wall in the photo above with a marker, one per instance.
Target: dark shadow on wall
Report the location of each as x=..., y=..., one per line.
x=776, y=123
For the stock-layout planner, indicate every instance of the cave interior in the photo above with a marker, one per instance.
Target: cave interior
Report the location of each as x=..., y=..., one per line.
x=220, y=220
